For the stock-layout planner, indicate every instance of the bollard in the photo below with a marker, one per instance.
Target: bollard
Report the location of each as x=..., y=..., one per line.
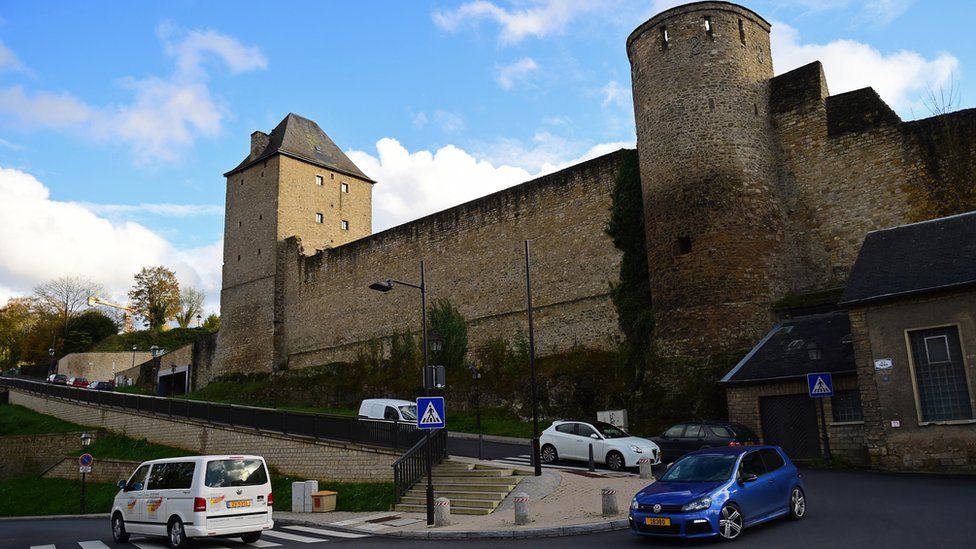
x=522, y=509
x=442, y=512
x=592, y=467
x=609, y=502
x=646, y=470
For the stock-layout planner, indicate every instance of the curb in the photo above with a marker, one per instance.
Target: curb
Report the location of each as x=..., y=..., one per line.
x=490, y=438
x=574, y=530
x=57, y=517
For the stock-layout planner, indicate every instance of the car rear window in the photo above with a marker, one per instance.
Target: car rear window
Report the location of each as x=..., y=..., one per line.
x=235, y=472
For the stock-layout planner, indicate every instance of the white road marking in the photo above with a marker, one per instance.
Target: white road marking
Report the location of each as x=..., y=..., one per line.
x=149, y=545
x=94, y=544
x=262, y=543
x=42, y=547
x=292, y=537
x=324, y=532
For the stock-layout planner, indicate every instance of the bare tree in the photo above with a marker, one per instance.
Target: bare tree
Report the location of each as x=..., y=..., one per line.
x=191, y=304
x=65, y=297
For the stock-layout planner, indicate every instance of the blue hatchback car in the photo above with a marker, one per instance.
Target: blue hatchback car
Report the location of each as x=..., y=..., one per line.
x=719, y=492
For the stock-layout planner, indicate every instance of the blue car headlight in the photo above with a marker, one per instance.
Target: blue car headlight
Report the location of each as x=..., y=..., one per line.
x=698, y=504
x=634, y=505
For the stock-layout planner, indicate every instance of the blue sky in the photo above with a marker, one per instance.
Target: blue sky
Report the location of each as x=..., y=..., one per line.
x=118, y=118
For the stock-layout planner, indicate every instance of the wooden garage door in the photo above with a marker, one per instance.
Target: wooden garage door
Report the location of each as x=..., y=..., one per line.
x=790, y=421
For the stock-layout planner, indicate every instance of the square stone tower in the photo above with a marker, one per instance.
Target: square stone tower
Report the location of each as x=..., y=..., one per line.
x=295, y=182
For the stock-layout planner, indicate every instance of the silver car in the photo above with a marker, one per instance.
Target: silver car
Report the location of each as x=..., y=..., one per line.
x=611, y=445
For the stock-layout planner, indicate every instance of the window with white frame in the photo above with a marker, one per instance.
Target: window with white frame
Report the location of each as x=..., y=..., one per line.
x=319, y=218
x=344, y=187
x=318, y=180
x=940, y=374
x=344, y=224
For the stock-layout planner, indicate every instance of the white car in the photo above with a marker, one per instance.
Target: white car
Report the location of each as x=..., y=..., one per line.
x=611, y=445
x=195, y=496
x=388, y=408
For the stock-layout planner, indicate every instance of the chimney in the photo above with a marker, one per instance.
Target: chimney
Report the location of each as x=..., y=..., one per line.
x=259, y=142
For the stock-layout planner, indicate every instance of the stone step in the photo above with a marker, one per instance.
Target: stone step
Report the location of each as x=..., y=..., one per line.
x=477, y=479
x=454, y=510
x=468, y=487
x=473, y=503
x=474, y=472
x=456, y=494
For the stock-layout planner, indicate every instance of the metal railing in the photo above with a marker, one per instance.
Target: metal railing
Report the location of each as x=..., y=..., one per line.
x=370, y=432
x=412, y=465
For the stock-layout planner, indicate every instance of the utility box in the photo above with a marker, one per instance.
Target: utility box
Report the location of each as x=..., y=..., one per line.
x=311, y=486
x=298, y=497
x=617, y=418
x=323, y=501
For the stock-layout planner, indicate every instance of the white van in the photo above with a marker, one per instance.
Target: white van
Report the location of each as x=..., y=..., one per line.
x=195, y=496
x=388, y=408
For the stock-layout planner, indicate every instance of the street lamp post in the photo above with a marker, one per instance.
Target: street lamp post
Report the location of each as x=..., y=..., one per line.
x=476, y=377
x=428, y=380
x=535, y=396
x=86, y=440
x=51, y=353
x=199, y=321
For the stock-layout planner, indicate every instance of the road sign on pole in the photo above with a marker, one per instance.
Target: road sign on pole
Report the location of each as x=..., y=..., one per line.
x=430, y=413
x=85, y=460
x=820, y=385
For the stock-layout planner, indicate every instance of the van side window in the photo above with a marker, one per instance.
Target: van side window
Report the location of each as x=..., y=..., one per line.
x=391, y=414
x=138, y=479
x=171, y=476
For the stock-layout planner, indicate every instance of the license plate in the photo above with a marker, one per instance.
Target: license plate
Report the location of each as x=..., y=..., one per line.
x=657, y=521
x=238, y=503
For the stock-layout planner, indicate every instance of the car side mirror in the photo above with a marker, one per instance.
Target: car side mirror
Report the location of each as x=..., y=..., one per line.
x=748, y=477
x=594, y=436
x=121, y=485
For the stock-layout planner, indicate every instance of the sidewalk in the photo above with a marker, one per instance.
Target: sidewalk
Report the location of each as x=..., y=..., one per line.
x=561, y=503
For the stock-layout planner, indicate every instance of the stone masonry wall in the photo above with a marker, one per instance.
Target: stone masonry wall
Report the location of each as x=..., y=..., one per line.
x=474, y=258
x=32, y=454
x=846, y=438
x=99, y=366
x=289, y=454
x=103, y=470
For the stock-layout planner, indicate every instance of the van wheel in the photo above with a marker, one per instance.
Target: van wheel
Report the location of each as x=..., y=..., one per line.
x=251, y=537
x=176, y=534
x=118, y=529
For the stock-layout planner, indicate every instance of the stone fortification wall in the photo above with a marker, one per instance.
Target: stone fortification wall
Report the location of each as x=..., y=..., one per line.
x=103, y=470
x=474, y=258
x=32, y=454
x=100, y=366
x=289, y=454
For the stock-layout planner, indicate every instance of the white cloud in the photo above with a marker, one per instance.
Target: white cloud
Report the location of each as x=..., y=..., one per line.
x=538, y=18
x=449, y=122
x=165, y=115
x=616, y=94
x=9, y=60
x=45, y=238
x=415, y=184
x=508, y=75
x=899, y=77
x=164, y=209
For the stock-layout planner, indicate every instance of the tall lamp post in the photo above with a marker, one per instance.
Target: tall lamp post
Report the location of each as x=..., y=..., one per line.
x=199, y=321
x=537, y=463
x=51, y=353
x=434, y=345
x=86, y=440
x=476, y=378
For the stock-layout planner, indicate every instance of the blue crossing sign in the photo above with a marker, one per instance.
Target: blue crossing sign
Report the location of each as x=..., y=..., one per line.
x=430, y=413
x=820, y=385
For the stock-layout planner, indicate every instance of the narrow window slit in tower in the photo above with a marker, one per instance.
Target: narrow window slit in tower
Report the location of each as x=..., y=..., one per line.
x=682, y=245
x=708, y=26
x=664, y=38
x=259, y=251
x=742, y=32
x=711, y=104
x=755, y=109
x=238, y=257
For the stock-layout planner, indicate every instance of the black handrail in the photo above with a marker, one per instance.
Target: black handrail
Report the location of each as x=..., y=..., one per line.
x=412, y=465
x=369, y=432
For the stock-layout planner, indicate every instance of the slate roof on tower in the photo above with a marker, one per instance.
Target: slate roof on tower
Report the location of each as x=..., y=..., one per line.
x=301, y=138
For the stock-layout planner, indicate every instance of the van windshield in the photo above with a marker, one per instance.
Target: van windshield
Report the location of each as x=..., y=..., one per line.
x=409, y=412
x=235, y=472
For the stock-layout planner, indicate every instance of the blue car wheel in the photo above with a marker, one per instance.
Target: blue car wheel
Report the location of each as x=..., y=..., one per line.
x=798, y=504
x=730, y=522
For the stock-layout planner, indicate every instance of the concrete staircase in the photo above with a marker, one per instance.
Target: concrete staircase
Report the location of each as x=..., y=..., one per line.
x=473, y=488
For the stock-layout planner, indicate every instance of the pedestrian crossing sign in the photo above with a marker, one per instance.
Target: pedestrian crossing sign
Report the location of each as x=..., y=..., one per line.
x=430, y=413
x=820, y=385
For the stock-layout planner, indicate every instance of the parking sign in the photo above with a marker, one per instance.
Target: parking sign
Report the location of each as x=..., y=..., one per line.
x=820, y=385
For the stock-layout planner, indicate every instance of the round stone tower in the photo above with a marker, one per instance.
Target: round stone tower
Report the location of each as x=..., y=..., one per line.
x=715, y=224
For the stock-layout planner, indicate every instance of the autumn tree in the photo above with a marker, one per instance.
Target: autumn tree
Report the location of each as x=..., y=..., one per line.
x=191, y=304
x=155, y=296
x=212, y=322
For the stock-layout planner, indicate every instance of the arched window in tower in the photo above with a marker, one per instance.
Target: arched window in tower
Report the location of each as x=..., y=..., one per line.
x=664, y=38
x=742, y=33
x=682, y=245
x=708, y=27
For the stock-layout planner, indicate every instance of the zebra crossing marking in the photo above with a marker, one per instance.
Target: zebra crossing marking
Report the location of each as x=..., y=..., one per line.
x=93, y=544
x=292, y=537
x=324, y=532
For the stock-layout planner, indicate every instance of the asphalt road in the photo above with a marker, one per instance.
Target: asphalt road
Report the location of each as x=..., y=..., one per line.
x=845, y=509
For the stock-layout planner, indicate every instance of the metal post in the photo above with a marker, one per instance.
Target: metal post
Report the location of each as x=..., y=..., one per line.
x=823, y=431
x=592, y=466
x=430, y=482
x=535, y=397
x=423, y=322
x=83, y=493
x=477, y=396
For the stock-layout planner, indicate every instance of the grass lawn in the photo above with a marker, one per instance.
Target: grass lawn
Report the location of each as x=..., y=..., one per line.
x=26, y=496
x=113, y=446
x=133, y=389
x=359, y=496
x=17, y=420
x=493, y=422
